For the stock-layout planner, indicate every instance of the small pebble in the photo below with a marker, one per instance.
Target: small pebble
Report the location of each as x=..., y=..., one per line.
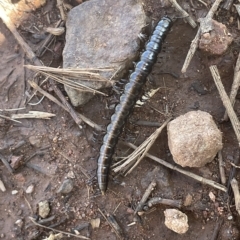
x=19, y=222
x=14, y=192
x=35, y=141
x=2, y=187
x=66, y=187
x=176, y=220
x=43, y=209
x=30, y=189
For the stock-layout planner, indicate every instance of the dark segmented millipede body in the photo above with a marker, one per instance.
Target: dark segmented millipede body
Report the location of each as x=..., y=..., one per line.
x=128, y=99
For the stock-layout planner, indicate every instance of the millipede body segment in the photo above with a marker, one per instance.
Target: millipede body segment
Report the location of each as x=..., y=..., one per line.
x=128, y=99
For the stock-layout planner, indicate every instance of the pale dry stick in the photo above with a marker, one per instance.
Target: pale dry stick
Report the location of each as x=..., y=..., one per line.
x=109, y=223
x=2, y=186
x=221, y=167
x=61, y=10
x=28, y=203
x=145, y=196
x=55, y=230
x=189, y=174
x=158, y=200
x=235, y=86
x=116, y=208
x=236, y=193
x=226, y=101
x=183, y=12
x=194, y=43
x=141, y=150
x=33, y=114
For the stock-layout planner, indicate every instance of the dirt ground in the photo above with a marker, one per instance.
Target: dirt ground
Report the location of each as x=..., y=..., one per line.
x=63, y=151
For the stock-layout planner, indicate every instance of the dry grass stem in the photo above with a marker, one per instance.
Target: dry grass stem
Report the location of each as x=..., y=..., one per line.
x=235, y=85
x=221, y=167
x=135, y=157
x=71, y=76
x=55, y=230
x=226, y=101
x=176, y=168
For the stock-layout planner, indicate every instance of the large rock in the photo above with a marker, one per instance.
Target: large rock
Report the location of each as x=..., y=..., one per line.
x=102, y=33
x=194, y=139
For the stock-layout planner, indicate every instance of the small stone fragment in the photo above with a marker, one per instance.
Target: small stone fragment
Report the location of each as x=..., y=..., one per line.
x=199, y=87
x=176, y=220
x=30, y=189
x=95, y=223
x=2, y=186
x=66, y=187
x=212, y=196
x=217, y=40
x=43, y=209
x=194, y=139
x=188, y=200
x=14, y=192
x=16, y=161
x=19, y=222
x=35, y=141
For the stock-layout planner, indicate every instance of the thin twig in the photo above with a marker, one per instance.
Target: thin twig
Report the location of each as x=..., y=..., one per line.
x=221, y=168
x=6, y=163
x=55, y=230
x=194, y=43
x=236, y=193
x=61, y=10
x=183, y=13
x=235, y=85
x=109, y=223
x=145, y=196
x=8, y=118
x=158, y=200
x=189, y=174
x=226, y=101
x=147, y=123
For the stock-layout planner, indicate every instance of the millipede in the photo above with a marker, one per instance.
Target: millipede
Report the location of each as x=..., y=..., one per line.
x=128, y=99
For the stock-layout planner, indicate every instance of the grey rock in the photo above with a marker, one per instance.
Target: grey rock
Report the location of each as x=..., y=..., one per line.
x=43, y=209
x=102, y=33
x=66, y=187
